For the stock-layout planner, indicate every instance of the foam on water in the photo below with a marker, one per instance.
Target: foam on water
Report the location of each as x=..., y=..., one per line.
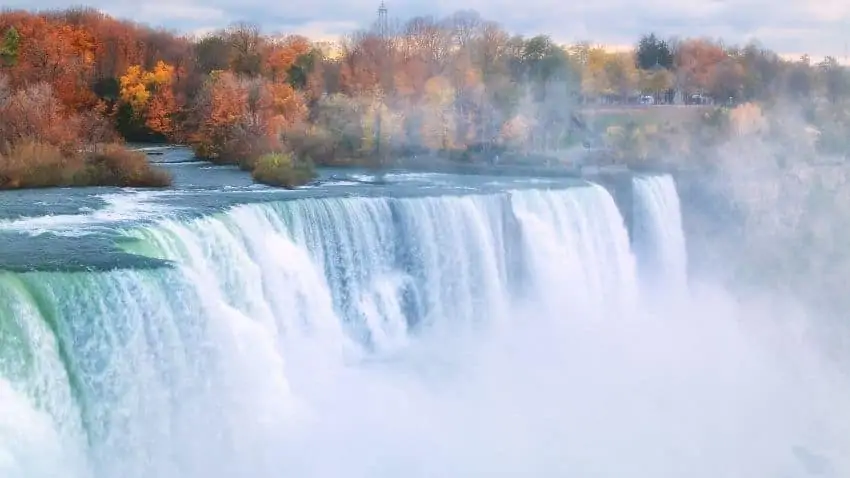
x=123, y=206
x=491, y=334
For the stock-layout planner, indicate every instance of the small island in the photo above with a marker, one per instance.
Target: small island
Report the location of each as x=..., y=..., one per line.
x=76, y=86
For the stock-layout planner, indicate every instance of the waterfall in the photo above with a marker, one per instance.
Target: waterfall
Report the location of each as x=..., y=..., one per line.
x=658, y=233
x=451, y=335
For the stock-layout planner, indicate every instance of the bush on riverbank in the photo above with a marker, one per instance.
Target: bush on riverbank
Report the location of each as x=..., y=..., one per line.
x=43, y=144
x=32, y=164
x=114, y=165
x=279, y=169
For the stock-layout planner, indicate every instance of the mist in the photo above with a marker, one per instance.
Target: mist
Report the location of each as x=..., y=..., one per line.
x=530, y=331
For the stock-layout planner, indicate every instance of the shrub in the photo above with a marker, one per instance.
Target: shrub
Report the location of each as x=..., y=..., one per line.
x=37, y=165
x=278, y=169
x=115, y=165
x=30, y=164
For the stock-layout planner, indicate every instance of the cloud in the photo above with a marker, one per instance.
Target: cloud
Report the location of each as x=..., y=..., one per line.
x=817, y=27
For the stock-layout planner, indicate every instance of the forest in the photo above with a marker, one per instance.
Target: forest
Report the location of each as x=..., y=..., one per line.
x=75, y=84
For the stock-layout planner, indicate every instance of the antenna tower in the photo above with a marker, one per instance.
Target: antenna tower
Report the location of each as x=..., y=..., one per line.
x=382, y=21
x=383, y=30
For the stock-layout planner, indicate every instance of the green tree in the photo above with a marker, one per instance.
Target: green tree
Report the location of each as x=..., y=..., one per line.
x=9, y=47
x=212, y=53
x=299, y=73
x=834, y=78
x=653, y=53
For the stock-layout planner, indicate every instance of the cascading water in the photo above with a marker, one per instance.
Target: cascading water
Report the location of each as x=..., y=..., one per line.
x=424, y=336
x=658, y=233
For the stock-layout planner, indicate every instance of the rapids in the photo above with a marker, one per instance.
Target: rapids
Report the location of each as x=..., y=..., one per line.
x=486, y=331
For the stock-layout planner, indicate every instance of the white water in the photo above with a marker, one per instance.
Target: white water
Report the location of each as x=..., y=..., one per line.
x=123, y=206
x=659, y=235
x=494, y=335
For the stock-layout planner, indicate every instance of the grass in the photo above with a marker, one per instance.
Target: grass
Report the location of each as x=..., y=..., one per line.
x=279, y=169
x=38, y=165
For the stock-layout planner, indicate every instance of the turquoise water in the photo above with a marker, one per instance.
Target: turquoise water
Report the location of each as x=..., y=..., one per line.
x=423, y=325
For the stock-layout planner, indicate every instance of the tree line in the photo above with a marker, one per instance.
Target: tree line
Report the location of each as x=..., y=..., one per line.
x=456, y=85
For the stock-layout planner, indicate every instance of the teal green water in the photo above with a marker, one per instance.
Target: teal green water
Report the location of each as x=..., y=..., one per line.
x=424, y=325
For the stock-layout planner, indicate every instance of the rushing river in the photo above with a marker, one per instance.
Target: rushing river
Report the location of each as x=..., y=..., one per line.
x=424, y=325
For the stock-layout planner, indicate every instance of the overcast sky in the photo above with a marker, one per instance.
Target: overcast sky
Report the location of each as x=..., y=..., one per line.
x=791, y=27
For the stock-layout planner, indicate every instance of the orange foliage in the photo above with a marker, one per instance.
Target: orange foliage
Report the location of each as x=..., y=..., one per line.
x=159, y=112
x=697, y=61
x=151, y=95
x=281, y=55
x=236, y=118
x=363, y=63
x=286, y=103
x=80, y=77
x=54, y=53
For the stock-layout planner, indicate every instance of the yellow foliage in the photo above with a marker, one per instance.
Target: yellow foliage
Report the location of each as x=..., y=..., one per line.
x=593, y=79
x=287, y=103
x=655, y=80
x=161, y=75
x=133, y=91
x=137, y=85
x=607, y=73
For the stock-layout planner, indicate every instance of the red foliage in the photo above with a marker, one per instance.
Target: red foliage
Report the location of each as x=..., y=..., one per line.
x=35, y=114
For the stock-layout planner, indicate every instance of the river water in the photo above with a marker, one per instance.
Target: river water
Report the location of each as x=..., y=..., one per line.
x=423, y=325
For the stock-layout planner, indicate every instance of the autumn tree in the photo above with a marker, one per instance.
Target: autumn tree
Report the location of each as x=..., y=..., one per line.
x=35, y=114
x=288, y=58
x=696, y=63
x=454, y=83
x=437, y=128
x=236, y=119
x=148, y=97
x=608, y=73
x=728, y=80
x=621, y=74
x=360, y=69
x=245, y=44
x=56, y=54
x=655, y=81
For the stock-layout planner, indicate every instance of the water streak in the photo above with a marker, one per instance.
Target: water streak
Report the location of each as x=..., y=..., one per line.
x=658, y=233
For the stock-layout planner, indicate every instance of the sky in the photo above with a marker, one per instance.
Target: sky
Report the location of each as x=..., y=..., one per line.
x=789, y=27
